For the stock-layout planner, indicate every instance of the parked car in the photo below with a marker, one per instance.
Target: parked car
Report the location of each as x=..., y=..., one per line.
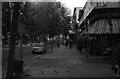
x=39, y=48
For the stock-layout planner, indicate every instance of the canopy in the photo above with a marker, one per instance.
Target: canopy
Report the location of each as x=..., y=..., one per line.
x=102, y=27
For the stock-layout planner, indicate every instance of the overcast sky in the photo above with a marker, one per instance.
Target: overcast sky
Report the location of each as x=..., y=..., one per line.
x=73, y=3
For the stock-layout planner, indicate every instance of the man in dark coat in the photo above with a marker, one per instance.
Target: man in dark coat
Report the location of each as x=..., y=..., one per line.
x=80, y=44
x=70, y=43
x=85, y=45
x=66, y=43
x=116, y=55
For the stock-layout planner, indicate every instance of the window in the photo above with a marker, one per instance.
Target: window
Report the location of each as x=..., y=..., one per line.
x=119, y=4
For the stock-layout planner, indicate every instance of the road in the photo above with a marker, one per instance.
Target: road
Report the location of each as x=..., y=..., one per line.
x=61, y=62
x=68, y=63
x=26, y=53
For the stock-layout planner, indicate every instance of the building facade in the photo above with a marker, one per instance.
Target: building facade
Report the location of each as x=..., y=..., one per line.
x=92, y=4
x=101, y=23
x=78, y=12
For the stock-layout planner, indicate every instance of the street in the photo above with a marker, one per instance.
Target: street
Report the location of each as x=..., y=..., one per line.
x=91, y=31
x=26, y=53
x=62, y=62
x=17, y=55
x=91, y=28
x=68, y=63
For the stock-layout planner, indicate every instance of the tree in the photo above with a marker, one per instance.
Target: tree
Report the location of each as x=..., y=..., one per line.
x=8, y=10
x=5, y=18
x=43, y=18
x=46, y=18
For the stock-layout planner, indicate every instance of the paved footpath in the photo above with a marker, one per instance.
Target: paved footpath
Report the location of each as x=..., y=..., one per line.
x=64, y=62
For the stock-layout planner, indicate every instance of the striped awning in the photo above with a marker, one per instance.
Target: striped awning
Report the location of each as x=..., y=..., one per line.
x=102, y=27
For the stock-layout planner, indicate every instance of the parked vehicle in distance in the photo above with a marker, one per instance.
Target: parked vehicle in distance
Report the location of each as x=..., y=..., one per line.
x=39, y=48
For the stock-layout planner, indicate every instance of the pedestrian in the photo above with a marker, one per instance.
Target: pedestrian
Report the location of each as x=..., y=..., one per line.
x=51, y=45
x=66, y=43
x=70, y=43
x=116, y=59
x=77, y=43
x=80, y=42
x=58, y=42
x=85, y=45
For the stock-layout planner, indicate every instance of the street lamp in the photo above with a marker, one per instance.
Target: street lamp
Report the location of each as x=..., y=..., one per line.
x=21, y=31
x=21, y=38
x=21, y=13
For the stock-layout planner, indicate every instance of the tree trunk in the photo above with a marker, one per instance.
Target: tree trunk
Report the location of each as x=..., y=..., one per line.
x=13, y=31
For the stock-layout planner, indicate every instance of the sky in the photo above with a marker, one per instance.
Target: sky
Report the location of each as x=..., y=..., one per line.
x=69, y=3
x=73, y=3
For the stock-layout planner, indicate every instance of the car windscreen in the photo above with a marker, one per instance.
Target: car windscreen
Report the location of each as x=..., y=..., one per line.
x=38, y=45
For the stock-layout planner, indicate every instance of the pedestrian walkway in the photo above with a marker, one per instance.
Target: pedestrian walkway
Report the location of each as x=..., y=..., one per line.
x=64, y=62
x=62, y=52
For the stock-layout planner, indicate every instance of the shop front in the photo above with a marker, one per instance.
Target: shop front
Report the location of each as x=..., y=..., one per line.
x=103, y=36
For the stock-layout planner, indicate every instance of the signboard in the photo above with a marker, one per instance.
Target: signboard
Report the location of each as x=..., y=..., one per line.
x=21, y=28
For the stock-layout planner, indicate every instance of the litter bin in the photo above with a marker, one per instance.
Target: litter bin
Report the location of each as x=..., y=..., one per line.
x=18, y=66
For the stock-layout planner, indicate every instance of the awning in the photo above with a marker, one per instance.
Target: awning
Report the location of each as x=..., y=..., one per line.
x=102, y=27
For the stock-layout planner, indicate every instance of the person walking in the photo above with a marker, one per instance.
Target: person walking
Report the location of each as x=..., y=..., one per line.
x=58, y=42
x=85, y=45
x=77, y=43
x=116, y=60
x=67, y=41
x=80, y=44
x=70, y=43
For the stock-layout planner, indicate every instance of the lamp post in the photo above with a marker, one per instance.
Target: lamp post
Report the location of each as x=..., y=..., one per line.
x=8, y=38
x=21, y=38
x=13, y=28
x=21, y=33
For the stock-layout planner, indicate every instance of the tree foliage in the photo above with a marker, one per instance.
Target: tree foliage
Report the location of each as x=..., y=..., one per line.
x=5, y=18
x=40, y=19
x=46, y=18
x=7, y=7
